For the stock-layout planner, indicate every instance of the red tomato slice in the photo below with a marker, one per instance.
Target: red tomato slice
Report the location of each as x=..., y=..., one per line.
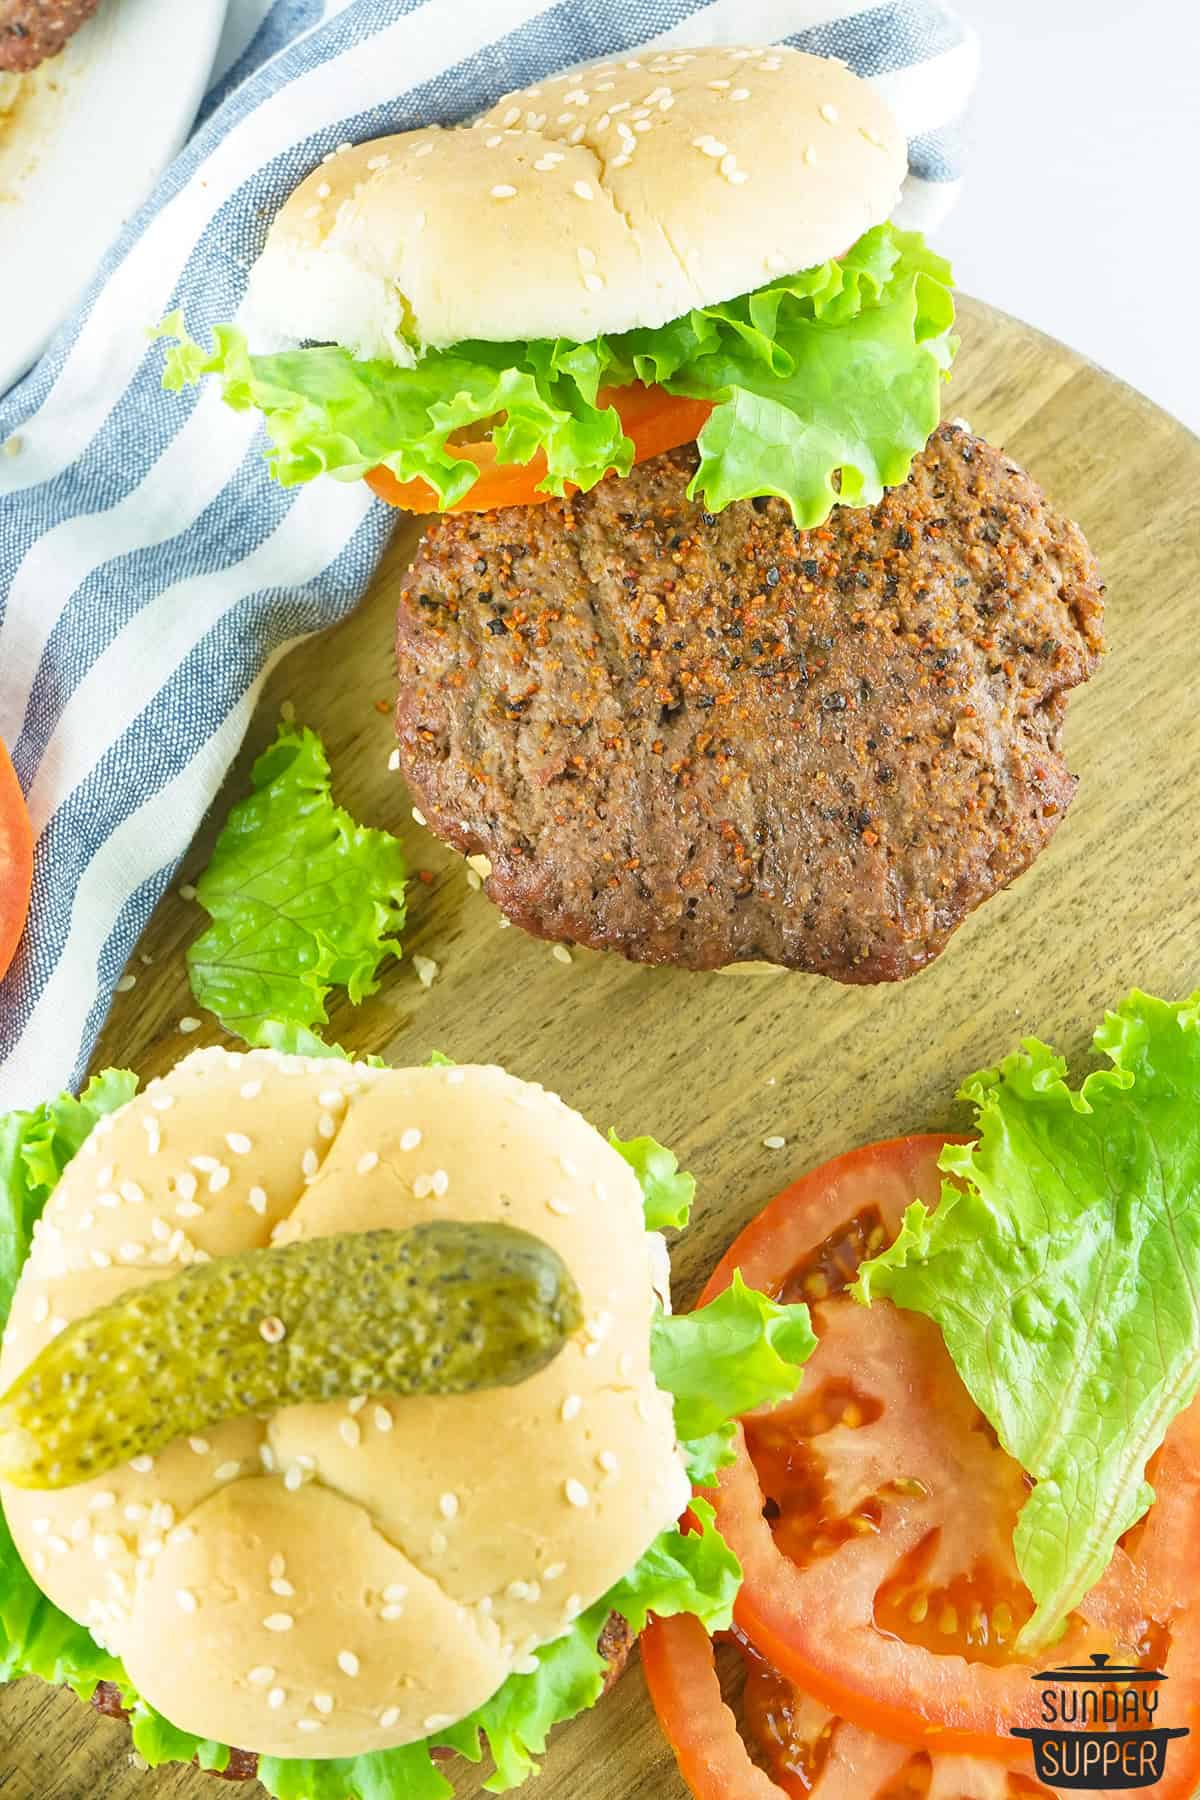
x=16, y=860
x=796, y=1747
x=652, y=418
x=873, y=1514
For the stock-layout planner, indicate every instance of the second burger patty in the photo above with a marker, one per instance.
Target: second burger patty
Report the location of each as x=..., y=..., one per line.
x=699, y=738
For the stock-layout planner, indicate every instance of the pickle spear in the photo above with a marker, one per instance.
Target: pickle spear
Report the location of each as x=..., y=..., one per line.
x=441, y=1308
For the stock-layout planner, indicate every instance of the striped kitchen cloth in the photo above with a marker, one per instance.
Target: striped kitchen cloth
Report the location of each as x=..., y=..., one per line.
x=150, y=572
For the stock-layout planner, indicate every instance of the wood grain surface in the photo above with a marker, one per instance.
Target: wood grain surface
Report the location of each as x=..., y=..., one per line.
x=713, y=1065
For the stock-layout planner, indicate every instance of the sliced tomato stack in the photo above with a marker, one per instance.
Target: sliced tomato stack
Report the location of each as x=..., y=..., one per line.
x=873, y=1516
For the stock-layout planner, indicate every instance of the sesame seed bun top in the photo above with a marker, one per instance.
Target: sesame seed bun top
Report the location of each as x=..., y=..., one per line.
x=610, y=198
x=346, y=1576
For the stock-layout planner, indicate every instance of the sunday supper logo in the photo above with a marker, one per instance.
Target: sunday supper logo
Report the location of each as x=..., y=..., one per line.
x=1100, y=1726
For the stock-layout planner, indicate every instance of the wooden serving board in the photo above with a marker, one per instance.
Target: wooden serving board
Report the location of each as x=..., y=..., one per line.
x=713, y=1064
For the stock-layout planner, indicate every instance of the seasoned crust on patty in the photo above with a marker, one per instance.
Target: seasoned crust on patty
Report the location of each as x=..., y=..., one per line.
x=31, y=31
x=700, y=738
x=614, y=1644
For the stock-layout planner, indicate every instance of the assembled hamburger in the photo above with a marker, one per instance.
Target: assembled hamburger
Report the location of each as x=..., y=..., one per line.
x=724, y=650
x=383, y=1573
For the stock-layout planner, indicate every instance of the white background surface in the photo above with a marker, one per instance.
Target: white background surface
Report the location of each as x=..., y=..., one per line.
x=1081, y=206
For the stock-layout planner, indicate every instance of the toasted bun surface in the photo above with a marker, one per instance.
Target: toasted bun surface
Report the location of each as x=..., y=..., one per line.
x=346, y=1576
x=614, y=197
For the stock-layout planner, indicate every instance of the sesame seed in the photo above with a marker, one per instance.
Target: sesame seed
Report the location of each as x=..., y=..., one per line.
x=239, y=1143
x=573, y=1607
x=187, y=1023
x=263, y=1676
x=218, y=1179
x=153, y=1135
x=425, y=969
x=502, y=191
x=575, y=136
x=736, y=176
x=410, y=1139
x=571, y=1408
x=257, y=1199
x=593, y=283
x=56, y=1326
x=266, y=1457
x=276, y=1698
x=728, y=163
x=448, y=1506
x=279, y=1621
x=250, y=1090
x=226, y=1471
x=774, y=1142
x=350, y=1433
x=188, y=1209
x=511, y=116
x=186, y=1185
x=810, y=154
x=382, y=1418
x=187, y=891
x=356, y=1404
x=200, y=1445
x=272, y=1330
x=556, y=1204
x=41, y=1310
x=308, y=1724
x=205, y=1164
x=554, y=1571
x=423, y=150
x=348, y=1663
x=740, y=94
x=438, y=1721
x=872, y=137
x=277, y=1566
x=60, y=1545
x=439, y=1181
x=608, y=1462
x=395, y=1591
x=583, y=190
x=131, y=1253
x=185, y=1600
x=576, y=1493
x=282, y=1587
x=389, y=1716
x=310, y=1162
x=293, y=1479
x=101, y=1501
x=494, y=142
x=830, y=114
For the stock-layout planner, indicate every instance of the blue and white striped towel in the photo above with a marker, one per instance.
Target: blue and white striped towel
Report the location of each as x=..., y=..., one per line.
x=150, y=572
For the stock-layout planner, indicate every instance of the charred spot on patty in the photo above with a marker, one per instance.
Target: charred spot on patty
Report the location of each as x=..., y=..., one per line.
x=822, y=748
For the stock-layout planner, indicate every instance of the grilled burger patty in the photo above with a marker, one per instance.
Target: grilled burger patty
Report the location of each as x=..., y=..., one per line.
x=33, y=30
x=614, y=1644
x=700, y=738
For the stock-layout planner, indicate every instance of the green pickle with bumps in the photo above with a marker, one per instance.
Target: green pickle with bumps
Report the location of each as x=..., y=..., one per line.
x=440, y=1308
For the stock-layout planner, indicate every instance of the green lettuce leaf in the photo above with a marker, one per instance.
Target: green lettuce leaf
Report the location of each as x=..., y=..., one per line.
x=302, y=900
x=739, y=1352
x=824, y=384
x=1065, y=1277
x=35, y=1147
x=667, y=1192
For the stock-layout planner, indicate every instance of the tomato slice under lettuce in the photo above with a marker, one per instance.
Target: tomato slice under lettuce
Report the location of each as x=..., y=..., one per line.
x=651, y=418
x=873, y=1514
